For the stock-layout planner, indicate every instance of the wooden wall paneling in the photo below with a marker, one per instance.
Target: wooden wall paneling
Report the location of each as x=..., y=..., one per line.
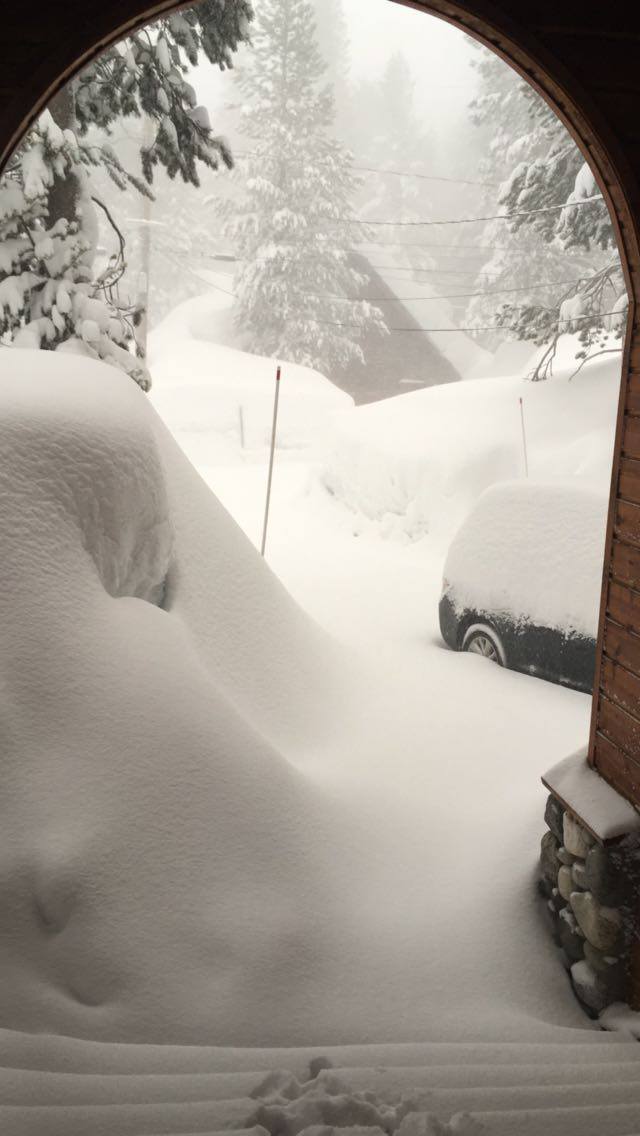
x=625, y=564
x=617, y=768
x=620, y=685
x=627, y=521
x=620, y=727
x=622, y=644
x=623, y=604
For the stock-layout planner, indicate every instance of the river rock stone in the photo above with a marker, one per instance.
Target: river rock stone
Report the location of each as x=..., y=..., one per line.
x=579, y=876
x=565, y=882
x=571, y=938
x=611, y=983
x=557, y=902
x=565, y=857
x=544, y=886
x=598, y=960
x=589, y=987
x=604, y=876
x=576, y=840
x=553, y=921
x=553, y=815
x=602, y=926
x=549, y=857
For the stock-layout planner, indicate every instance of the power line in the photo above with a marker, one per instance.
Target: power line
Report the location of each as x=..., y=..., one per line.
x=452, y=296
x=413, y=244
x=408, y=244
x=431, y=299
x=428, y=271
x=470, y=220
x=394, y=173
x=394, y=267
x=443, y=248
x=428, y=330
x=490, y=327
x=219, y=287
x=365, y=223
x=425, y=177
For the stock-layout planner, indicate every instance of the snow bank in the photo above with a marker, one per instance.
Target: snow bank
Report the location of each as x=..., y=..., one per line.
x=417, y=463
x=219, y=398
x=512, y=357
x=207, y=317
x=209, y=831
x=164, y=870
x=534, y=551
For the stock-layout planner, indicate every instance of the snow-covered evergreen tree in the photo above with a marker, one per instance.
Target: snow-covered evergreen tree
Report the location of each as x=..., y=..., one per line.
x=396, y=153
x=291, y=225
x=555, y=266
x=335, y=49
x=53, y=292
x=392, y=137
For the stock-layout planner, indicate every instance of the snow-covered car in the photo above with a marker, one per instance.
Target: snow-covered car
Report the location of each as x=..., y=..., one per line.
x=522, y=579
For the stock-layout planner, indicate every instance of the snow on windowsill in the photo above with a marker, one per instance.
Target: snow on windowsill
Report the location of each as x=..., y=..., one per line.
x=591, y=798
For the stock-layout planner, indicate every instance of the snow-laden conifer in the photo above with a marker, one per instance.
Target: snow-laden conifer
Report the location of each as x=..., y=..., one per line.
x=291, y=226
x=55, y=290
x=556, y=252
x=393, y=146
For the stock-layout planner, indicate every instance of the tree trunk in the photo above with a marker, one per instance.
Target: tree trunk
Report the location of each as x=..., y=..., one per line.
x=65, y=193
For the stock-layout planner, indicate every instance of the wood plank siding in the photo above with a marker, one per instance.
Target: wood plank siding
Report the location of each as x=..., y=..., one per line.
x=582, y=56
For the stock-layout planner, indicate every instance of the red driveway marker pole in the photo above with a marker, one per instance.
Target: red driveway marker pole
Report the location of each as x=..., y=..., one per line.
x=271, y=456
x=524, y=440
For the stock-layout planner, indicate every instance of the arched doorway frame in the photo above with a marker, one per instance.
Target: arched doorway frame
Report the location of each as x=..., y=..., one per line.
x=523, y=41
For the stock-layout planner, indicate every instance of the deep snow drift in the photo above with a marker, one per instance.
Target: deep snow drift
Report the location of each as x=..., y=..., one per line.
x=204, y=385
x=441, y=752
x=163, y=867
x=218, y=825
x=416, y=464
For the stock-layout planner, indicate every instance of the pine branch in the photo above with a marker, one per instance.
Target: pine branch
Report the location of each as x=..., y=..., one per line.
x=588, y=358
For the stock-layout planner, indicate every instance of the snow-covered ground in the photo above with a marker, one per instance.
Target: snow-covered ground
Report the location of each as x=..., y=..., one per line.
x=440, y=753
x=416, y=464
x=212, y=393
x=247, y=816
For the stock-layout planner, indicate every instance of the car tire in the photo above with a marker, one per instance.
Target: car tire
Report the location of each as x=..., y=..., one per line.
x=482, y=639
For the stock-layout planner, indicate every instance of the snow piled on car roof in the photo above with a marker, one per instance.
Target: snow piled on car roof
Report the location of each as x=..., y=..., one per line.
x=534, y=551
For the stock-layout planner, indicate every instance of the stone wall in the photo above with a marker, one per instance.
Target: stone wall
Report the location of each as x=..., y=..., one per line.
x=592, y=893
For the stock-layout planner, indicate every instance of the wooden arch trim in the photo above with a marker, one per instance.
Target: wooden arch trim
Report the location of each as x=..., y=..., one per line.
x=581, y=57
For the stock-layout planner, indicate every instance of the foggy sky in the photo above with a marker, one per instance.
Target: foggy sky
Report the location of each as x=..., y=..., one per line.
x=439, y=56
